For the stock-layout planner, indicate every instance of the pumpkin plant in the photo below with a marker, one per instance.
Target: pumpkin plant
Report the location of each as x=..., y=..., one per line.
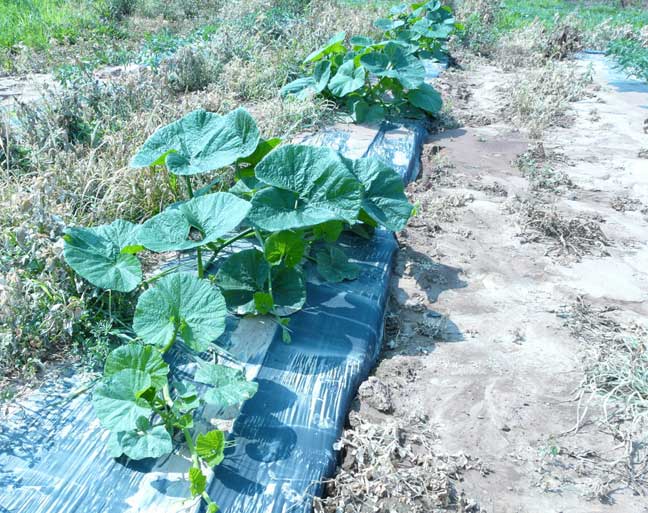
x=266, y=214
x=424, y=26
x=370, y=79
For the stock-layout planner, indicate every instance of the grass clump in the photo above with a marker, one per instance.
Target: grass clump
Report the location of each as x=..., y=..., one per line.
x=35, y=23
x=568, y=236
x=539, y=98
x=615, y=364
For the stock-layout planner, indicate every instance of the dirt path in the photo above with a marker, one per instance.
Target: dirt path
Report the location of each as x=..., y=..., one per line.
x=492, y=280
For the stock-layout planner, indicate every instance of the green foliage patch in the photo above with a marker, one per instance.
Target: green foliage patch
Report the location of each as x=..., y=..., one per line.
x=373, y=78
x=289, y=204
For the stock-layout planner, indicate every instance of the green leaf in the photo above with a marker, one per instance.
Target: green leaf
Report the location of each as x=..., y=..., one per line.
x=286, y=246
x=103, y=255
x=264, y=147
x=210, y=216
x=117, y=400
x=386, y=24
x=361, y=42
x=263, y=302
x=199, y=142
x=212, y=508
x=301, y=88
x=309, y=186
x=186, y=397
x=245, y=273
x=152, y=442
x=142, y=358
x=321, y=75
x=334, y=266
x=362, y=112
x=230, y=387
x=329, y=231
x=425, y=97
x=384, y=197
x=288, y=290
x=240, y=277
x=347, y=79
x=197, y=482
x=431, y=30
x=394, y=62
x=332, y=46
x=180, y=304
x=210, y=447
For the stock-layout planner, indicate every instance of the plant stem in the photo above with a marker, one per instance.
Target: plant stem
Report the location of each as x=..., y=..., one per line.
x=161, y=275
x=167, y=396
x=241, y=235
x=172, y=341
x=201, y=270
x=189, y=188
x=262, y=242
x=192, y=447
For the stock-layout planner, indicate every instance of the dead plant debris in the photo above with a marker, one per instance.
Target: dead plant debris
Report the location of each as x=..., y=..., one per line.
x=568, y=236
x=615, y=361
x=394, y=467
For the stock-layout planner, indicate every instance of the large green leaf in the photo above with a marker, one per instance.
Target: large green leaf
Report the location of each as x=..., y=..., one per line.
x=329, y=231
x=332, y=46
x=143, y=358
x=288, y=289
x=240, y=277
x=210, y=447
x=284, y=247
x=425, y=97
x=212, y=216
x=321, y=75
x=300, y=88
x=117, y=400
x=180, y=304
x=199, y=142
x=229, y=386
x=264, y=147
x=152, y=442
x=394, y=62
x=103, y=255
x=310, y=186
x=334, y=266
x=386, y=24
x=348, y=78
x=245, y=274
x=431, y=30
x=384, y=197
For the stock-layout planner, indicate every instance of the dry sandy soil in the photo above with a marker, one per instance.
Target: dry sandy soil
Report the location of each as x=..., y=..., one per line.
x=506, y=294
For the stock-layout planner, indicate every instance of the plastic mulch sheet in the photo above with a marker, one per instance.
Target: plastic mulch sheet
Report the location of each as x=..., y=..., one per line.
x=52, y=449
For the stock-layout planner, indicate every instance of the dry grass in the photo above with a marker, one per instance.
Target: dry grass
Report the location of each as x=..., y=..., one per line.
x=393, y=466
x=539, y=98
x=567, y=236
x=615, y=361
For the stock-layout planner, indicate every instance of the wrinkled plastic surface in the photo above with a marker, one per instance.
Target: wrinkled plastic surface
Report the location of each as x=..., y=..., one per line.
x=615, y=75
x=52, y=452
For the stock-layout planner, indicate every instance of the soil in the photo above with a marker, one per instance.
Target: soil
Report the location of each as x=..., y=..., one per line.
x=475, y=342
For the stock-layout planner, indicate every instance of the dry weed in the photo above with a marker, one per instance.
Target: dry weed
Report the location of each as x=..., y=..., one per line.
x=568, y=236
x=615, y=361
x=539, y=99
x=393, y=466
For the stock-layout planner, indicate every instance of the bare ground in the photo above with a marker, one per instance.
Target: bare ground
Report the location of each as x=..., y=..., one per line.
x=505, y=297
